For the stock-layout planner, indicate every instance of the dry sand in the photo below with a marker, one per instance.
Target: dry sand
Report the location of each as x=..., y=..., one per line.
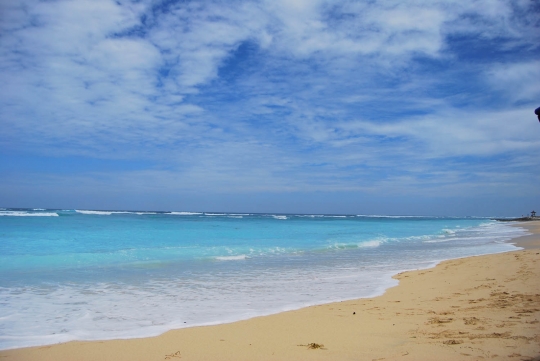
x=476, y=308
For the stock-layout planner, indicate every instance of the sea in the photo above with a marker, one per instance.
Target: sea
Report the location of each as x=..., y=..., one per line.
x=94, y=275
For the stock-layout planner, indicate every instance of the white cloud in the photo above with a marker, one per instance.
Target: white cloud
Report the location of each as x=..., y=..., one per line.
x=455, y=133
x=196, y=41
x=518, y=80
x=308, y=108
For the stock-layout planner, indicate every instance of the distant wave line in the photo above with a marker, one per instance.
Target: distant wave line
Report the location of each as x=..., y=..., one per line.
x=27, y=214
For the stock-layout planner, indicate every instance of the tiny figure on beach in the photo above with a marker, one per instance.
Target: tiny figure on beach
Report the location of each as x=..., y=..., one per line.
x=537, y=112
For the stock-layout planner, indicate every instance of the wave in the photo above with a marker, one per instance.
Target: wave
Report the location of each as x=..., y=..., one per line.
x=370, y=244
x=101, y=213
x=231, y=258
x=382, y=216
x=27, y=214
x=439, y=240
x=184, y=213
x=215, y=214
x=108, y=213
x=365, y=244
x=279, y=217
x=320, y=216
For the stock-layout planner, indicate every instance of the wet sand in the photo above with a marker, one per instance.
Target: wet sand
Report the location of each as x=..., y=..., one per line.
x=477, y=308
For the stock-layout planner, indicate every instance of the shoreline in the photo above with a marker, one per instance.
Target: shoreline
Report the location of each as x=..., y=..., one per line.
x=529, y=241
x=418, y=317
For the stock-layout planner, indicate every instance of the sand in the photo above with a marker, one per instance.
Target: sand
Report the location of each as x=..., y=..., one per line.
x=477, y=308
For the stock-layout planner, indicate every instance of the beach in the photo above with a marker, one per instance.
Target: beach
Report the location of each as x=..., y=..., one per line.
x=475, y=308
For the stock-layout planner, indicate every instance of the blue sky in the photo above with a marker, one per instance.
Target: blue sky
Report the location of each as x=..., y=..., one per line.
x=365, y=107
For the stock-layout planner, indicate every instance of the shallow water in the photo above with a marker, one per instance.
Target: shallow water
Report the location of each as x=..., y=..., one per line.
x=89, y=275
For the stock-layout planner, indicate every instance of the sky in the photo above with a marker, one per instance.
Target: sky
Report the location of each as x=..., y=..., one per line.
x=419, y=107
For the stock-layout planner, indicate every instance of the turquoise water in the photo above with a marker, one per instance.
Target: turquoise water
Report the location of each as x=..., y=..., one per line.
x=68, y=274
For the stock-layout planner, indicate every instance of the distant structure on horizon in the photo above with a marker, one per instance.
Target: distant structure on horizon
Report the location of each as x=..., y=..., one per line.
x=533, y=214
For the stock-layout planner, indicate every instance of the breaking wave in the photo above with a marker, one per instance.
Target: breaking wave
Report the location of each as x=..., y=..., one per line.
x=27, y=214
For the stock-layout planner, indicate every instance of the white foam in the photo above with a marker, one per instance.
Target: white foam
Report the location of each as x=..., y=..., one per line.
x=215, y=214
x=27, y=214
x=383, y=216
x=370, y=244
x=439, y=240
x=488, y=232
x=364, y=244
x=101, y=213
x=279, y=217
x=231, y=258
x=185, y=213
x=108, y=213
x=115, y=311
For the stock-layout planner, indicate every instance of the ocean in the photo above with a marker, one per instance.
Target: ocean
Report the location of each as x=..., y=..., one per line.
x=93, y=275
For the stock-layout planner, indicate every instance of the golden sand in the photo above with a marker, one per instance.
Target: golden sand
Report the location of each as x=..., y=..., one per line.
x=477, y=308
